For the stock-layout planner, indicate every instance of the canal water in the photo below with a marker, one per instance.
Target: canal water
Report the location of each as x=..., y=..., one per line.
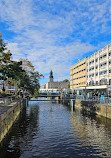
x=51, y=130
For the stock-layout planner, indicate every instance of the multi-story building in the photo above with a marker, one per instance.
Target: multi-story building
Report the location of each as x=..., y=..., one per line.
x=78, y=74
x=99, y=67
x=93, y=72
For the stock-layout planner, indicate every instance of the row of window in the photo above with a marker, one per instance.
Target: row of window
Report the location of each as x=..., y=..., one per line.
x=101, y=73
x=104, y=64
x=78, y=71
x=101, y=82
x=80, y=83
x=79, y=77
x=91, y=69
x=91, y=76
x=79, y=65
x=100, y=66
x=101, y=57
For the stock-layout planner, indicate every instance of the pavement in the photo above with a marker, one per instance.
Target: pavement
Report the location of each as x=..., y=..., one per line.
x=3, y=108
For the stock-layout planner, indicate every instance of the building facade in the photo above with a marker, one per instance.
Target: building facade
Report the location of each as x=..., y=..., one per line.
x=78, y=74
x=52, y=86
x=93, y=72
x=99, y=67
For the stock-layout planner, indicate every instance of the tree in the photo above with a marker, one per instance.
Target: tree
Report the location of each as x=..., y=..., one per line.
x=68, y=85
x=66, y=80
x=2, y=45
x=22, y=72
x=5, y=59
x=27, y=65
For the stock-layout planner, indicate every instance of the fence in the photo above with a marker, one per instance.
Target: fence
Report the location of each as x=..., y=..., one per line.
x=7, y=100
x=98, y=99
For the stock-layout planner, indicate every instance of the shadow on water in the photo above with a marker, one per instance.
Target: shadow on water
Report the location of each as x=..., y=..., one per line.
x=21, y=133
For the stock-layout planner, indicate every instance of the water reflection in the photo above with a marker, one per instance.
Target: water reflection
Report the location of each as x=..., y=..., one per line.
x=92, y=132
x=51, y=130
x=21, y=134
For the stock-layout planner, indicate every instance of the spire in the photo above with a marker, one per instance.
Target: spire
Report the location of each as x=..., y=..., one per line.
x=51, y=73
x=51, y=76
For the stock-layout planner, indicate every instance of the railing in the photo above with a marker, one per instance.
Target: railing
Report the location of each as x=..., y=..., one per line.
x=7, y=100
x=97, y=99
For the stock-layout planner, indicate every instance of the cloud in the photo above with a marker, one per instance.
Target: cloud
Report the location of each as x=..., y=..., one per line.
x=54, y=34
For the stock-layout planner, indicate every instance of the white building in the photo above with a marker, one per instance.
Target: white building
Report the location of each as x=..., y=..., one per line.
x=99, y=67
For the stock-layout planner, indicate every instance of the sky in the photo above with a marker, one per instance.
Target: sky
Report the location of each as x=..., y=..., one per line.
x=55, y=34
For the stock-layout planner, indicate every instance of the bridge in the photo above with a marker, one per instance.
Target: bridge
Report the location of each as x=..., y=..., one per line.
x=49, y=95
x=51, y=99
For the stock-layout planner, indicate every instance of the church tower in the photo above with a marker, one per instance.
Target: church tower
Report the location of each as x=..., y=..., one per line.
x=51, y=76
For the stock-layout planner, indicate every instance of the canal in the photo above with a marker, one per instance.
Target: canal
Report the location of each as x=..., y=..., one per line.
x=51, y=130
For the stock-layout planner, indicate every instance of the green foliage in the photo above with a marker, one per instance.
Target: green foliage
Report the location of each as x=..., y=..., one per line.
x=68, y=85
x=2, y=45
x=22, y=72
x=66, y=80
x=36, y=94
x=6, y=94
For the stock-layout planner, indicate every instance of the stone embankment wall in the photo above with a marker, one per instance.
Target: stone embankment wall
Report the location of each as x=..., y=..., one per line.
x=103, y=110
x=89, y=106
x=8, y=115
x=92, y=107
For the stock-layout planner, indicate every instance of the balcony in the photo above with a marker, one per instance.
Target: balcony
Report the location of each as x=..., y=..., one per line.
x=109, y=57
x=103, y=68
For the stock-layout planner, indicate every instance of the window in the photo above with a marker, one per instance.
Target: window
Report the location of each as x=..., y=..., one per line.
x=100, y=73
x=104, y=56
x=109, y=71
x=96, y=74
x=103, y=65
x=96, y=60
x=103, y=81
x=110, y=54
x=105, y=72
x=100, y=58
x=109, y=81
x=96, y=67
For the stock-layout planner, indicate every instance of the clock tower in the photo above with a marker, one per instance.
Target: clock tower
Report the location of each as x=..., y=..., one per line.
x=51, y=76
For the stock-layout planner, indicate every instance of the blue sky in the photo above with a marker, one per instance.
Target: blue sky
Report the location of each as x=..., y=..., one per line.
x=54, y=34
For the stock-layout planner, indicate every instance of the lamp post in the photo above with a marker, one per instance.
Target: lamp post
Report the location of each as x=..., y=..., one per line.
x=3, y=89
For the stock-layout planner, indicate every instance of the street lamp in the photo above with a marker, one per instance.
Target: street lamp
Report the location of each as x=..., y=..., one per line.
x=3, y=89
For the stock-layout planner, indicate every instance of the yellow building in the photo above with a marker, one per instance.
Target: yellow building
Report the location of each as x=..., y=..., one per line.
x=78, y=74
